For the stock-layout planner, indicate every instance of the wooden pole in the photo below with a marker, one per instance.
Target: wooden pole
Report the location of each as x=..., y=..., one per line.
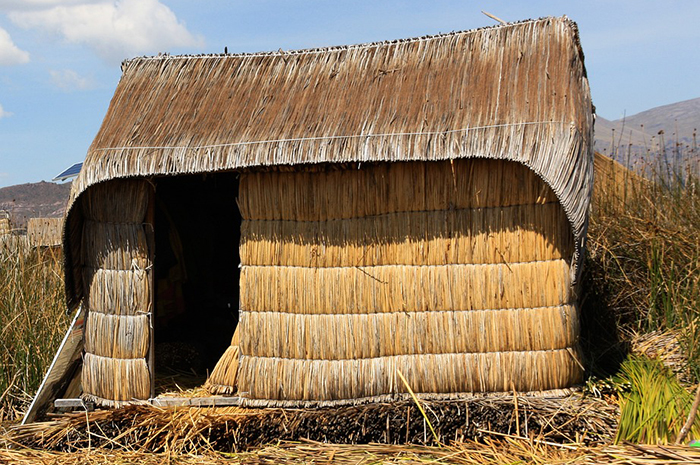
x=691, y=418
x=495, y=18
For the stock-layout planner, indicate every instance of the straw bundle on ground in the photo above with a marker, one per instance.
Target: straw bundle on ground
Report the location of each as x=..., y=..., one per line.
x=665, y=346
x=490, y=451
x=573, y=419
x=116, y=261
x=45, y=232
x=455, y=274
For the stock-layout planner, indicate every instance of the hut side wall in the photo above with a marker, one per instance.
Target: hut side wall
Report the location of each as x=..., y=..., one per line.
x=115, y=266
x=455, y=273
x=45, y=232
x=5, y=228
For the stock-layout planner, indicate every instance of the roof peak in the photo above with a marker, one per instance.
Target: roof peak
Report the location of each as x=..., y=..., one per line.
x=280, y=52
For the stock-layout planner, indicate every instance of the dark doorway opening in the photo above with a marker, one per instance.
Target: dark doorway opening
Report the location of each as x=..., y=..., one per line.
x=196, y=276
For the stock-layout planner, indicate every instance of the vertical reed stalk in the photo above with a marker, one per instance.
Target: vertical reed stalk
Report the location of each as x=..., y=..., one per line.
x=32, y=321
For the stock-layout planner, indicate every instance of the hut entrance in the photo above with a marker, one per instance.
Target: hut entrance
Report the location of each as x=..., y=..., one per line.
x=197, y=232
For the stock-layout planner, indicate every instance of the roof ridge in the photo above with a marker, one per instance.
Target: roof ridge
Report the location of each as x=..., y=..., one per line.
x=338, y=48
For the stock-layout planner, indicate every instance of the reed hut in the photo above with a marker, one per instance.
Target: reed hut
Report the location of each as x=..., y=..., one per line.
x=316, y=223
x=45, y=232
x=5, y=228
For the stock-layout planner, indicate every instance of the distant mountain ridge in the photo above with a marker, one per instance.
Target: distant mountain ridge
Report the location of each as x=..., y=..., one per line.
x=34, y=200
x=678, y=121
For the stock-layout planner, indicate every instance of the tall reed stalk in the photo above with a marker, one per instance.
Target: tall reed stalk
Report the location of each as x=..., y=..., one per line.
x=32, y=320
x=644, y=248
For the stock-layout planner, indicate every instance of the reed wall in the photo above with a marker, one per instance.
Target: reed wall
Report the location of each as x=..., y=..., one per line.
x=115, y=267
x=456, y=273
x=45, y=232
x=617, y=184
x=5, y=227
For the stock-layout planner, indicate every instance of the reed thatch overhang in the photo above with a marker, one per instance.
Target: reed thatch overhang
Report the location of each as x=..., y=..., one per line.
x=516, y=91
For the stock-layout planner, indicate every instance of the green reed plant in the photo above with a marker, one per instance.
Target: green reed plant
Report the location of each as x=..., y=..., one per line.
x=32, y=320
x=653, y=405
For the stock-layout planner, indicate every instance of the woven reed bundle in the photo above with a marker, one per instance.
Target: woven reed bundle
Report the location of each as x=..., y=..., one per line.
x=303, y=382
x=314, y=193
x=517, y=92
x=111, y=245
x=427, y=238
x=116, y=259
x=434, y=280
x=113, y=382
x=45, y=232
x=402, y=288
x=117, y=336
x=404, y=333
x=117, y=292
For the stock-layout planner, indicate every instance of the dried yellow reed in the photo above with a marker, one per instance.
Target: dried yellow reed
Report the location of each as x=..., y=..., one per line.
x=117, y=336
x=329, y=380
x=117, y=292
x=352, y=336
x=412, y=238
x=115, y=379
x=403, y=288
x=387, y=188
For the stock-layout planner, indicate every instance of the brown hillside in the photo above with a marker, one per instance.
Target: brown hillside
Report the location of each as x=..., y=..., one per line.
x=34, y=200
x=678, y=121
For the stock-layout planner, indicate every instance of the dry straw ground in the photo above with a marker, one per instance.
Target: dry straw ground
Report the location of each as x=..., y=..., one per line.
x=503, y=451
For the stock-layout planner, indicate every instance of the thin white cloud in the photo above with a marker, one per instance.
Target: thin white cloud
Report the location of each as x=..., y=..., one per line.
x=10, y=54
x=68, y=80
x=10, y=5
x=3, y=113
x=114, y=30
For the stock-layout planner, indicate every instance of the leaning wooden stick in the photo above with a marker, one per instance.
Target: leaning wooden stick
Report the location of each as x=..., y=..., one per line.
x=691, y=418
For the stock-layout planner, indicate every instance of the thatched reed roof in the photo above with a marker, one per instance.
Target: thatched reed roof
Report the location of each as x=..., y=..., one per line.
x=516, y=91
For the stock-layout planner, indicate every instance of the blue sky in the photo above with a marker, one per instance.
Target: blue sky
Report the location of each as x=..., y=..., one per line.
x=59, y=59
